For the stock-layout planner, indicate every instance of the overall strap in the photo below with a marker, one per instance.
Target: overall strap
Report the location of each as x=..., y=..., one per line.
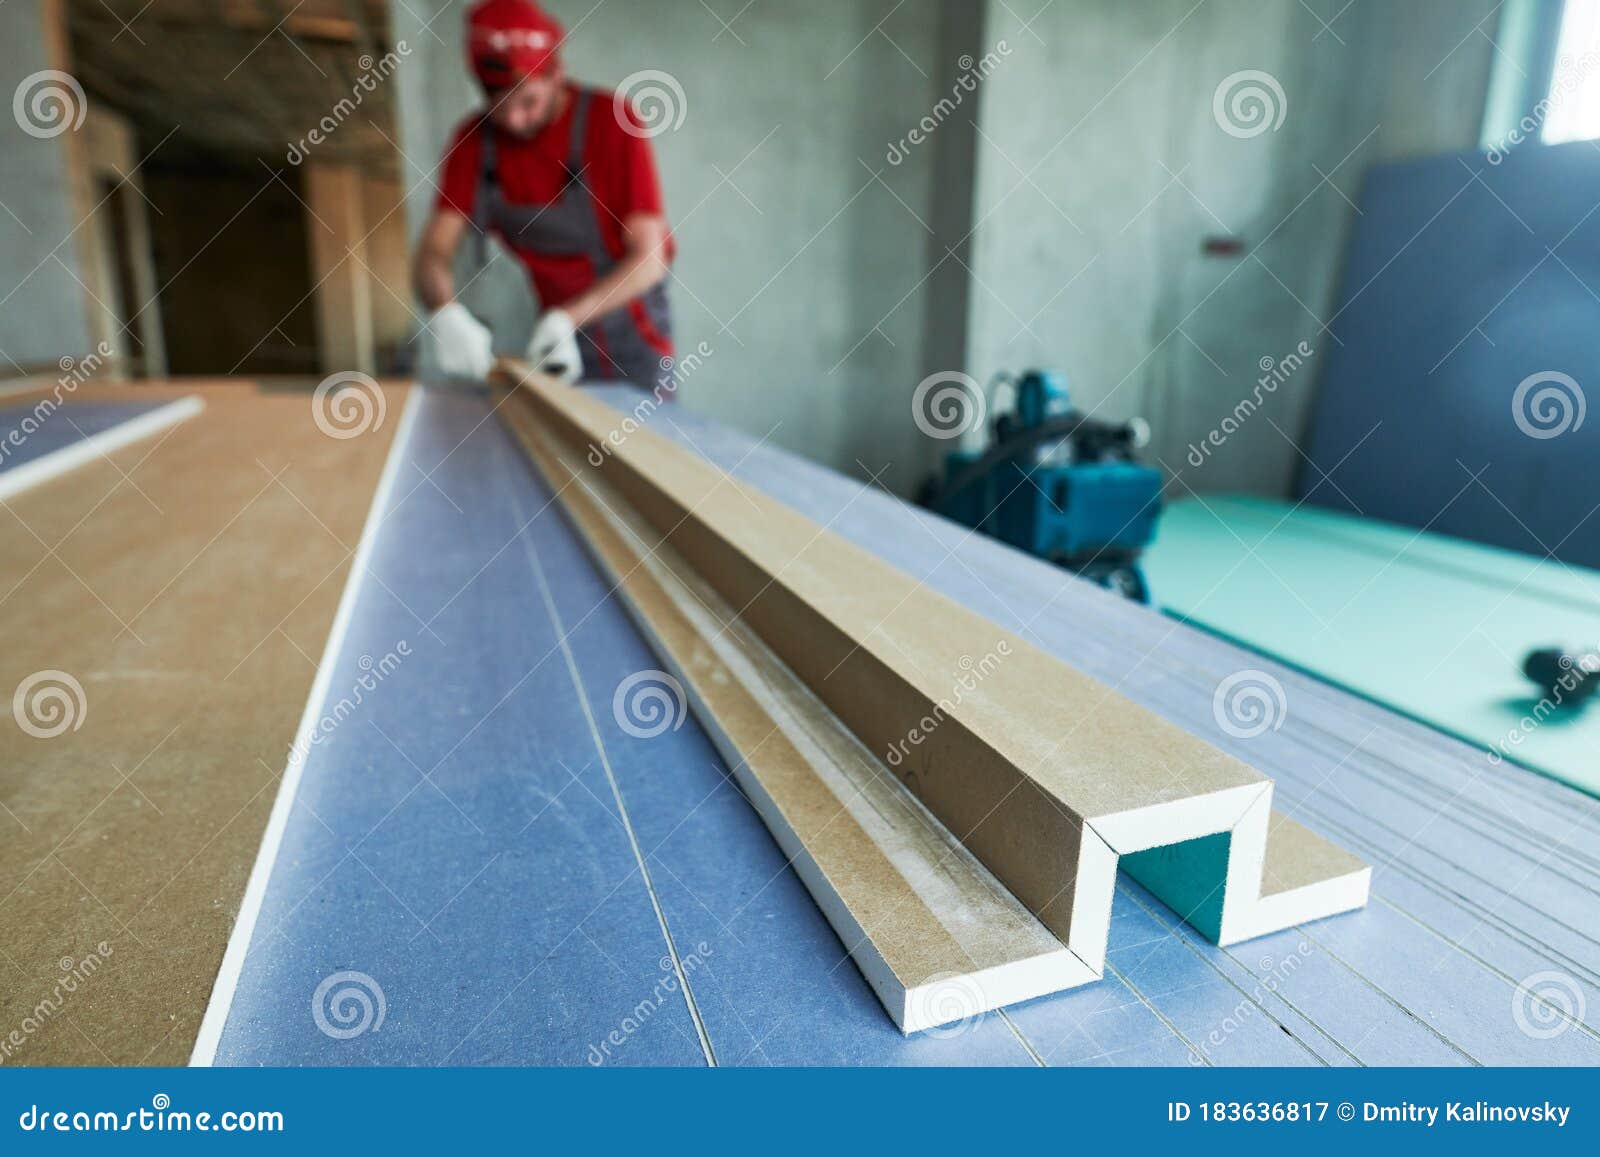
x=488, y=192
x=580, y=133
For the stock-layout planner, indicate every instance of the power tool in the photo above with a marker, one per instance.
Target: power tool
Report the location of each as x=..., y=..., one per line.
x=1056, y=483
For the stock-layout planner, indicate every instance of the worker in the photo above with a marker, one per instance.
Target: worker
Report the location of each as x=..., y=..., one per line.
x=564, y=176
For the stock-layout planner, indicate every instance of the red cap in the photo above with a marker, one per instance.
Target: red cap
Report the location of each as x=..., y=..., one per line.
x=508, y=40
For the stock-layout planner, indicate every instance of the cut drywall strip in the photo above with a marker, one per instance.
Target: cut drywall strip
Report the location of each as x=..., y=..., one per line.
x=938, y=939
x=1385, y=787
x=1021, y=757
x=96, y=446
x=216, y=1017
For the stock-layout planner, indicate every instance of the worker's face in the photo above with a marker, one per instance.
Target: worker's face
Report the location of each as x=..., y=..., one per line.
x=529, y=107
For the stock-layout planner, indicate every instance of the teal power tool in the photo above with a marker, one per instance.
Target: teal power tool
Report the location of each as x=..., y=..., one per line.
x=1058, y=484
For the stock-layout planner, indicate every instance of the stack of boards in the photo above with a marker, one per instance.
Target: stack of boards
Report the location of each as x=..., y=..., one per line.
x=955, y=800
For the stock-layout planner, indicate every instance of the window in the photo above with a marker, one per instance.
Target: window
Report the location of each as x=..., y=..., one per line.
x=1573, y=112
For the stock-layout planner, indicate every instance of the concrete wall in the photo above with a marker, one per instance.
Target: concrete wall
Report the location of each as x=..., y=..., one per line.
x=1102, y=168
x=1055, y=216
x=43, y=313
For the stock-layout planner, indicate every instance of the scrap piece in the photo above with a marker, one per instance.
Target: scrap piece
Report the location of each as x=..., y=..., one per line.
x=20, y=472
x=1046, y=775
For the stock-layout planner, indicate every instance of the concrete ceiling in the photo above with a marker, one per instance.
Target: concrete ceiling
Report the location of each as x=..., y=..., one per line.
x=243, y=76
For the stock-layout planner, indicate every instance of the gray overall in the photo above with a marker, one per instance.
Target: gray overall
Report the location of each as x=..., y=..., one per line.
x=614, y=346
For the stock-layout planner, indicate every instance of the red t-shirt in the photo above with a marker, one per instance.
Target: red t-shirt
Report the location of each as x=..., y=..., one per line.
x=620, y=173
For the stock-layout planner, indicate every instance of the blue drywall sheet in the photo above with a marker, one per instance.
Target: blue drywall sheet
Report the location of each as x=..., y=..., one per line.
x=1483, y=878
x=454, y=838
x=543, y=937
x=1463, y=280
x=498, y=903
x=37, y=435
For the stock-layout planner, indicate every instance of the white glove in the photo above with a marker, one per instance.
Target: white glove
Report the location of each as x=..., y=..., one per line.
x=554, y=347
x=462, y=345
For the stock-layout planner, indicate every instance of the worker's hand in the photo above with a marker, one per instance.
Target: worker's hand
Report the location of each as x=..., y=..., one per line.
x=462, y=345
x=554, y=347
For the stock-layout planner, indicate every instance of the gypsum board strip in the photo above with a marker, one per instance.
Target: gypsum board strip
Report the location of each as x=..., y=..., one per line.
x=1095, y=612
x=1368, y=843
x=1394, y=848
x=869, y=515
x=1456, y=899
x=1314, y=736
x=1046, y=775
x=97, y=446
x=1373, y=984
x=1502, y=829
x=1105, y=630
x=1449, y=752
x=1531, y=845
x=1081, y=606
x=1438, y=755
x=1232, y=978
x=937, y=938
x=1497, y=975
x=1315, y=726
x=1419, y=736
